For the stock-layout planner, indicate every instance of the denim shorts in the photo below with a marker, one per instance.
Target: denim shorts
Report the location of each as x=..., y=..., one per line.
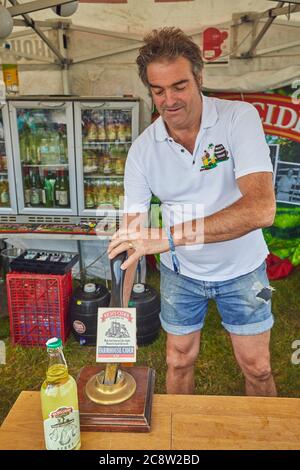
x=244, y=302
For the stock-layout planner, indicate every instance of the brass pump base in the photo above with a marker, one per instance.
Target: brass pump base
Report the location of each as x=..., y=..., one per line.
x=134, y=415
x=104, y=394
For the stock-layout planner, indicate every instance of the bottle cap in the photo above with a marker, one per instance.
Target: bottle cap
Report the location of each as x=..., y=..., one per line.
x=138, y=288
x=89, y=288
x=53, y=343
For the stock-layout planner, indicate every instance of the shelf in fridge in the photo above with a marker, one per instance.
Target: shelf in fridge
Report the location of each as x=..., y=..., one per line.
x=54, y=165
x=88, y=175
x=97, y=143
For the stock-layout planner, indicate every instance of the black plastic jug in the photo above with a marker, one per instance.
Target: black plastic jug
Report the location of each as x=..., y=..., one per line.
x=84, y=311
x=147, y=303
x=143, y=297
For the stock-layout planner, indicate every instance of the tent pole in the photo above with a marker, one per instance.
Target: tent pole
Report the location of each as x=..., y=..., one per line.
x=63, y=48
x=36, y=5
x=30, y=22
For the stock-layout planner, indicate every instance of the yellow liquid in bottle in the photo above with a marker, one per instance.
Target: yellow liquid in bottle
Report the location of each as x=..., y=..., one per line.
x=60, y=410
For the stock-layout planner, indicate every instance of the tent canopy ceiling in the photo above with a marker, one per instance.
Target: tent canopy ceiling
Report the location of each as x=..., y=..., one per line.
x=100, y=63
x=141, y=15
x=133, y=19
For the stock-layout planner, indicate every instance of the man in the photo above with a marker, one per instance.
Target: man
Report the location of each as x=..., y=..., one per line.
x=220, y=253
x=285, y=185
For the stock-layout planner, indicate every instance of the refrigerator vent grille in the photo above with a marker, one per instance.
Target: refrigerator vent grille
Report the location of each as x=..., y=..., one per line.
x=49, y=220
x=8, y=218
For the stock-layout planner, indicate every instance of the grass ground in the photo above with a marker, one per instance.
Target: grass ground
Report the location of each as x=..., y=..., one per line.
x=216, y=370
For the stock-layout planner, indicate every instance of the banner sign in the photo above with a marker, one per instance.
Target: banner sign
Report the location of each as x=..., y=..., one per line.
x=280, y=114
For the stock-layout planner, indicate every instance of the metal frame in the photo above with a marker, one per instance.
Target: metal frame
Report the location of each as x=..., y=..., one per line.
x=27, y=32
x=105, y=32
x=277, y=48
x=13, y=209
x=62, y=26
x=78, y=108
x=271, y=15
x=293, y=7
x=66, y=25
x=130, y=37
x=261, y=34
x=13, y=106
x=64, y=53
x=112, y=52
x=29, y=7
x=30, y=22
x=35, y=5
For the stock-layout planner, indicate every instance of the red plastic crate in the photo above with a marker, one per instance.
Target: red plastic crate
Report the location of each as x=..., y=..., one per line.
x=38, y=306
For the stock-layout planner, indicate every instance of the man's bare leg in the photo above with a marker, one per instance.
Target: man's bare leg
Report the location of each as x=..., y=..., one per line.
x=182, y=352
x=253, y=356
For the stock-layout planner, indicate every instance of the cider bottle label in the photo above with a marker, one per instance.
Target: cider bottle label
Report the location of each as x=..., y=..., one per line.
x=62, y=429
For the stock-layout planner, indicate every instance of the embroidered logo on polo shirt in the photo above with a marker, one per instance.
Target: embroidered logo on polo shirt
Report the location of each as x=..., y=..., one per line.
x=214, y=155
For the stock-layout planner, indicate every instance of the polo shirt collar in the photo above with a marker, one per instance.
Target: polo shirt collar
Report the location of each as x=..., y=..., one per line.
x=209, y=118
x=209, y=112
x=161, y=133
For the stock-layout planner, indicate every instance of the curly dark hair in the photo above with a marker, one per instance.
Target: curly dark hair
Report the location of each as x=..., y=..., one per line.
x=168, y=43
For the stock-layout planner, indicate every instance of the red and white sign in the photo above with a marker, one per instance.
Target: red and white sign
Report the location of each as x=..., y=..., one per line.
x=116, y=335
x=215, y=44
x=280, y=115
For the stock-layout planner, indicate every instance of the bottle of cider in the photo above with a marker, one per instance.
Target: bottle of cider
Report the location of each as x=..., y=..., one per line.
x=59, y=402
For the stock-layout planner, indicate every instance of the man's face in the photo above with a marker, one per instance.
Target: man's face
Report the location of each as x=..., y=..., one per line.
x=175, y=91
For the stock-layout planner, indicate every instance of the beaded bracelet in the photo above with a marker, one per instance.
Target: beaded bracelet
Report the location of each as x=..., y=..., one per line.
x=175, y=261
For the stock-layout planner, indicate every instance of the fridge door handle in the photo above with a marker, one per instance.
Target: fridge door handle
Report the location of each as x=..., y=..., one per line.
x=49, y=105
x=95, y=106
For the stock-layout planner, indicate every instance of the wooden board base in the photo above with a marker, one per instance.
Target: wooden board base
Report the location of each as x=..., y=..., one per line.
x=133, y=415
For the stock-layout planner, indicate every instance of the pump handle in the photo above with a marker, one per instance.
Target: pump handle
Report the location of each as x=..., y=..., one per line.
x=117, y=280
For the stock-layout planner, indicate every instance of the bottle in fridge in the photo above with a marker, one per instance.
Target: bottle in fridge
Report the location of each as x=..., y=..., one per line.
x=8, y=203
x=101, y=155
x=43, y=134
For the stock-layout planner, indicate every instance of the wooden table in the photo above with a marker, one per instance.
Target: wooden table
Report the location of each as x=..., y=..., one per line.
x=178, y=422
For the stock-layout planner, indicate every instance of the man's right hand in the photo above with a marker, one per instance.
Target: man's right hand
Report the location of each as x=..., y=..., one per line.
x=143, y=242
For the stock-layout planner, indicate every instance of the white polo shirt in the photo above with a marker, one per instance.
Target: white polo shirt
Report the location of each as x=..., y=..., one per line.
x=230, y=144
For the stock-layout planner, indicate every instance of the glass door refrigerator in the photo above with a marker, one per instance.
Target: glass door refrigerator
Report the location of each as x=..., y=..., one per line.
x=43, y=144
x=8, y=202
x=104, y=131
